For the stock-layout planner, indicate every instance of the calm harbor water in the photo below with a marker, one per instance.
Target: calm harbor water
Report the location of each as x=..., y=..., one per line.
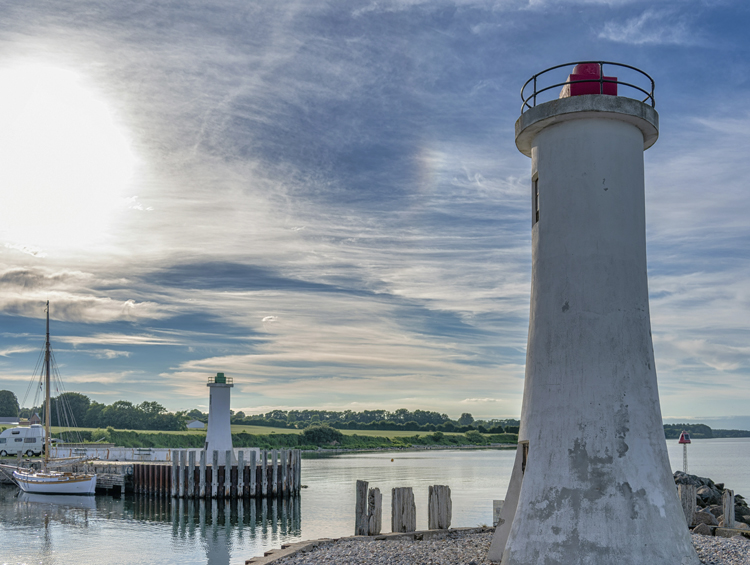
x=46, y=530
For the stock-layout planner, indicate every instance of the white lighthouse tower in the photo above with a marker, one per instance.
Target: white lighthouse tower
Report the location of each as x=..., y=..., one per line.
x=219, y=434
x=591, y=484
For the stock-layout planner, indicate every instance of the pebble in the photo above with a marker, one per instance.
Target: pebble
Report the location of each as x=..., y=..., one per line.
x=460, y=548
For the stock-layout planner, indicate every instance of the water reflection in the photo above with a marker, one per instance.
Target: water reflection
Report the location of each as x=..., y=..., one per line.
x=223, y=530
x=220, y=524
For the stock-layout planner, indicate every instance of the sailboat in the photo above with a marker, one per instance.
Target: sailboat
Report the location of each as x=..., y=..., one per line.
x=46, y=480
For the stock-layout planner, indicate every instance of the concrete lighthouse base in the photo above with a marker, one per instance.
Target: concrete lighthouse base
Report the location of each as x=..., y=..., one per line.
x=592, y=478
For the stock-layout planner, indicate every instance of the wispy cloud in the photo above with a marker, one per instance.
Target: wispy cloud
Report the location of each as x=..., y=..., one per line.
x=119, y=339
x=667, y=26
x=17, y=349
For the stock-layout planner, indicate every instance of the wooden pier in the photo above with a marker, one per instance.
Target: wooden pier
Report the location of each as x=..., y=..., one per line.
x=191, y=474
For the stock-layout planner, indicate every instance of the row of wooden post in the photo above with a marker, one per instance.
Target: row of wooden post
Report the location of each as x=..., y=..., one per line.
x=687, y=494
x=369, y=511
x=276, y=473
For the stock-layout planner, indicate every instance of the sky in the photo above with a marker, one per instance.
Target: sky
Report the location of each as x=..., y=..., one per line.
x=324, y=200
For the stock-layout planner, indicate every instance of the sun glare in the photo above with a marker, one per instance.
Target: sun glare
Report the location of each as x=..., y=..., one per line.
x=64, y=161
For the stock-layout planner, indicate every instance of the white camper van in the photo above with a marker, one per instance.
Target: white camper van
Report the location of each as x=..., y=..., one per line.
x=28, y=440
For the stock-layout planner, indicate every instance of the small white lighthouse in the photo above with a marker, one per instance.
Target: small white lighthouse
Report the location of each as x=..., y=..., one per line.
x=591, y=484
x=219, y=434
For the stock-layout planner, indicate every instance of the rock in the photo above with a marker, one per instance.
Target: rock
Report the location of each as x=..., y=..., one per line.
x=741, y=526
x=717, y=511
x=709, y=495
x=705, y=518
x=740, y=511
x=702, y=529
x=730, y=533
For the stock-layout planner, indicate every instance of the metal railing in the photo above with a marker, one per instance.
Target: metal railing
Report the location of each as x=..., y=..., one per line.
x=531, y=100
x=225, y=380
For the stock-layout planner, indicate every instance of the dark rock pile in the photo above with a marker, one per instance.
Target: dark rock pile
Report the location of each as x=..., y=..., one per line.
x=709, y=501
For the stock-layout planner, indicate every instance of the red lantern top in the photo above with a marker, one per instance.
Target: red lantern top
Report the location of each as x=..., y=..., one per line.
x=592, y=72
x=685, y=437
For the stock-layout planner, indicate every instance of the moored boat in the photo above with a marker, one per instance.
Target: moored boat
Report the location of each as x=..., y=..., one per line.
x=46, y=481
x=54, y=482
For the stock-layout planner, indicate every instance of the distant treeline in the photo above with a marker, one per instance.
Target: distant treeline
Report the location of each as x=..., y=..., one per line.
x=701, y=431
x=72, y=409
x=398, y=420
x=314, y=437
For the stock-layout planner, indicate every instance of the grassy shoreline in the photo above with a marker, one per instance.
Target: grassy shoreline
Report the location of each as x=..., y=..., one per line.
x=247, y=436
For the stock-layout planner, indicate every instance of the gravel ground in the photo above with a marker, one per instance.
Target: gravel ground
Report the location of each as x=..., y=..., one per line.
x=470, y=549
x=722, y=551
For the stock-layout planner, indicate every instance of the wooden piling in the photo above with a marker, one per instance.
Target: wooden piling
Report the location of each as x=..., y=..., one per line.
x=360, y=509
x=163, y=480
x=274, y=472
x=202, y=475
x=228, y=474
x=439, y=507
x=687, y=500
x=253, y=474
x=299, y=470
x=175, y=471
x=403, y=510
x=215, y=474
x=191, y=474
x=374, y=512
x=284, y=467
x=183, y=464
x=264, y=474
x=727, y=501
x=240, y=474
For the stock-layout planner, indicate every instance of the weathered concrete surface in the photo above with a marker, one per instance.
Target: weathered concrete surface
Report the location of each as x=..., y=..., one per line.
x=502, y=530
x=597, y=486
x=596, y=106
x=497, y=510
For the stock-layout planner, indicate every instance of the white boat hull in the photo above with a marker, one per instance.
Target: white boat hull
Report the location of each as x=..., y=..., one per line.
x=55, y=483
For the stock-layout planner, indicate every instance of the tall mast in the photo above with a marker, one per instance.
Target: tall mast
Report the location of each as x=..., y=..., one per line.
x=48, y=408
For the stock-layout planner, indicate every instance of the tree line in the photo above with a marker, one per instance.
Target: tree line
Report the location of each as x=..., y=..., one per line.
x=701, y=431
x=72, y=409
x=401, y=419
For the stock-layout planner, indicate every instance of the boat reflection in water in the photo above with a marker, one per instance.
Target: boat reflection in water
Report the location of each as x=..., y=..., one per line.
x=60, y=502
x=220, y=523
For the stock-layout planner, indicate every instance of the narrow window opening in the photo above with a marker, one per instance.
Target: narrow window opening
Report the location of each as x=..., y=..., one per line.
x=525, y=447
x=536, y=200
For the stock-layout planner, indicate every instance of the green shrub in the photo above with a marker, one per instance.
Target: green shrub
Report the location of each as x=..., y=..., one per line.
x=475, y=438
x=321, y=435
